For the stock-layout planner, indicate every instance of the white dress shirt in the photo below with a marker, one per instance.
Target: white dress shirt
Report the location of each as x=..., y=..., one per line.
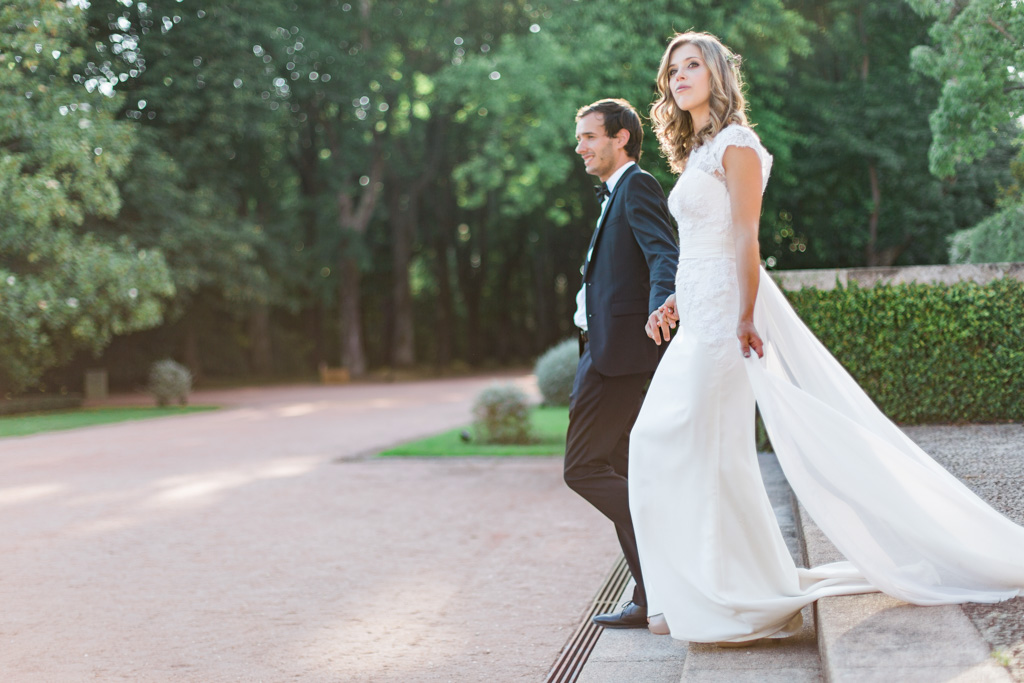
x=580, y=318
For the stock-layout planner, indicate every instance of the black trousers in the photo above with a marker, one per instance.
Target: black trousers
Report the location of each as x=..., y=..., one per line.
x=602, y=411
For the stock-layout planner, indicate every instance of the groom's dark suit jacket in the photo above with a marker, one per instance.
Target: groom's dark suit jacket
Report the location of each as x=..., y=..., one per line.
x=629, y=274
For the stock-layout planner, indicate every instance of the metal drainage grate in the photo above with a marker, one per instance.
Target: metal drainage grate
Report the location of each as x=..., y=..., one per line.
x=569, y=665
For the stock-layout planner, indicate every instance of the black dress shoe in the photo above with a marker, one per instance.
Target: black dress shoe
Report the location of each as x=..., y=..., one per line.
x=631, y=616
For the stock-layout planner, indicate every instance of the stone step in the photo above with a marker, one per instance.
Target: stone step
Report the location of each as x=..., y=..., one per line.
x=875, y=638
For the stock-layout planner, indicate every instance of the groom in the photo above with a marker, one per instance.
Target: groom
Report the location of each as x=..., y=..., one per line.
x=629, y=271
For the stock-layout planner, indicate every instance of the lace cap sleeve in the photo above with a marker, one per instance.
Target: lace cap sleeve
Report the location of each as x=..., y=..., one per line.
x=735, y=135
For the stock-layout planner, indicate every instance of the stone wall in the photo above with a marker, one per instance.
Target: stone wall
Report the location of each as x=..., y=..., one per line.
x=827, y=278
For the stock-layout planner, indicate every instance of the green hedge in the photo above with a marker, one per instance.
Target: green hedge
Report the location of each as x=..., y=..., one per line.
x=927, y=353
x=39, y=404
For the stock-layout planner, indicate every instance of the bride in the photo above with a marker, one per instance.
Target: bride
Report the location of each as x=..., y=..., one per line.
x=714, y=561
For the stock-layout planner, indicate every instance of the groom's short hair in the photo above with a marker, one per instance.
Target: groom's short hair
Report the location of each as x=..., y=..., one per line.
x=618, y=114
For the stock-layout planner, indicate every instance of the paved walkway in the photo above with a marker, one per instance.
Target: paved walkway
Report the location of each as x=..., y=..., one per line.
x=260, y=543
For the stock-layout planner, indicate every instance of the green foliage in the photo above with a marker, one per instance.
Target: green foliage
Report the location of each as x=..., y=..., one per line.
x=62, y=288
x=296, y=171
x=999, y=237
x=858, y=190
x=23, y=425
x=927, y=353
x=549, y=428
x=502, y=415
x=517, y=103
x=42, y=403
x=977, y=54
x=201, y=182
x=556, y=372
x=170, y=382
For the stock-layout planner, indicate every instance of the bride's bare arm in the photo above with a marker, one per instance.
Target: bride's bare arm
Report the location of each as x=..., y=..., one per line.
x=743, y=179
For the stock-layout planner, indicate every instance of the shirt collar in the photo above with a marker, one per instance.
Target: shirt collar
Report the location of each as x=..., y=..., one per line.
x=614, y=179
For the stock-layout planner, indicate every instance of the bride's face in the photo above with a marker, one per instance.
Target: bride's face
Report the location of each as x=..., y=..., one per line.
x=689, y=78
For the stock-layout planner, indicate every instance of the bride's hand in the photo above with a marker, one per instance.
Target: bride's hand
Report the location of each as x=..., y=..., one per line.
x=749, y=339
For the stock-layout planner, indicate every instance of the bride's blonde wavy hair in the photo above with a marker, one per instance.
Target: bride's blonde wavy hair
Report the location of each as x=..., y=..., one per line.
x=672, y=125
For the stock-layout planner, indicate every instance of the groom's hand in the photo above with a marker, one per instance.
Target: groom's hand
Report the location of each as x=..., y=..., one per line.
x=653, y=327
x=662, y=321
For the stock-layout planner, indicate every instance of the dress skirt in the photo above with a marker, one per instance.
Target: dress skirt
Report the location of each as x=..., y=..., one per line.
x=714, y=561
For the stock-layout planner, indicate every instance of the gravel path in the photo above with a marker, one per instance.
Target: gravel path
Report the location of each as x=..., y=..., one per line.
x=261, y=543
x=990, y=460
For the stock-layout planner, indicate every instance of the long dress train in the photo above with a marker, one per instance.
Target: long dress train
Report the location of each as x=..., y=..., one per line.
x=714, y=560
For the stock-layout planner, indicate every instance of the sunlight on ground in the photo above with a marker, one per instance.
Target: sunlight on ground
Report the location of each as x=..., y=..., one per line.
x=22, y=494
x=193, y=487
x=385, y=402
x=300, y=409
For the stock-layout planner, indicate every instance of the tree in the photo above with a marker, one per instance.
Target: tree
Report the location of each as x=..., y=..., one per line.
x=208, y=184
x=518, y=183
x=977, y=54
x=63, y=289
x=859, y=191
x=358, y=79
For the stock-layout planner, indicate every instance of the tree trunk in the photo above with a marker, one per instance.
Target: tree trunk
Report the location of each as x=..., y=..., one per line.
x=261, y=356
x=872, y=255
x=354, y=216
x=543, y=293
x=471, y=261
x=353, y=355
x=507, y=340
x=402, y=215
x=191, y=343
x=871, y=250
x=444, y=306
x=313, y=318
x=309, y=189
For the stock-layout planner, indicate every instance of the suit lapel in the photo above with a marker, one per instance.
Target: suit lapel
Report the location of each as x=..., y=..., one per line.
x=604, y=218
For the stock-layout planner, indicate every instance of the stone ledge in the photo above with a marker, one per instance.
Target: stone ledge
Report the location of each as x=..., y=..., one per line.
x=829, y=278
x=875, y=638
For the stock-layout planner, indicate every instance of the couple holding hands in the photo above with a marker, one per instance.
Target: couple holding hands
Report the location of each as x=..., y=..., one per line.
x=675, y=468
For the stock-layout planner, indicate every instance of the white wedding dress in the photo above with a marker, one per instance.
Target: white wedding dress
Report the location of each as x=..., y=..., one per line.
x=714, y=560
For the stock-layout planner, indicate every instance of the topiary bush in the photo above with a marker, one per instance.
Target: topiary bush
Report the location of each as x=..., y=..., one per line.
x=927, y=353
x=169, y=382
x=998, y=238
x=502, y=415
x=556, y=372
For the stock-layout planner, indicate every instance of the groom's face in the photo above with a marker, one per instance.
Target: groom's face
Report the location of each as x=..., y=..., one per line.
x=601, y=154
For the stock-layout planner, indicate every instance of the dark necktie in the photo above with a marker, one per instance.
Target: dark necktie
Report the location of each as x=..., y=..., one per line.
x=601, y=191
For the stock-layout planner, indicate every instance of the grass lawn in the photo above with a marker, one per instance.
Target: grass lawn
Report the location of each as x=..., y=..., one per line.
x=549, y=424
x=33, y=423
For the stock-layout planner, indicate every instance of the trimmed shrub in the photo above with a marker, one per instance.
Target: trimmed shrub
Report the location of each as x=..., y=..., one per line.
x=169, y=382
x=998, y=238
x=556, y=372
x=927, y=353
x=502, y=415
x=39, y=404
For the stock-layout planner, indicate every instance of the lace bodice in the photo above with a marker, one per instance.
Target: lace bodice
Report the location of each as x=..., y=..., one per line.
x=706, y=288
x=700, y=200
